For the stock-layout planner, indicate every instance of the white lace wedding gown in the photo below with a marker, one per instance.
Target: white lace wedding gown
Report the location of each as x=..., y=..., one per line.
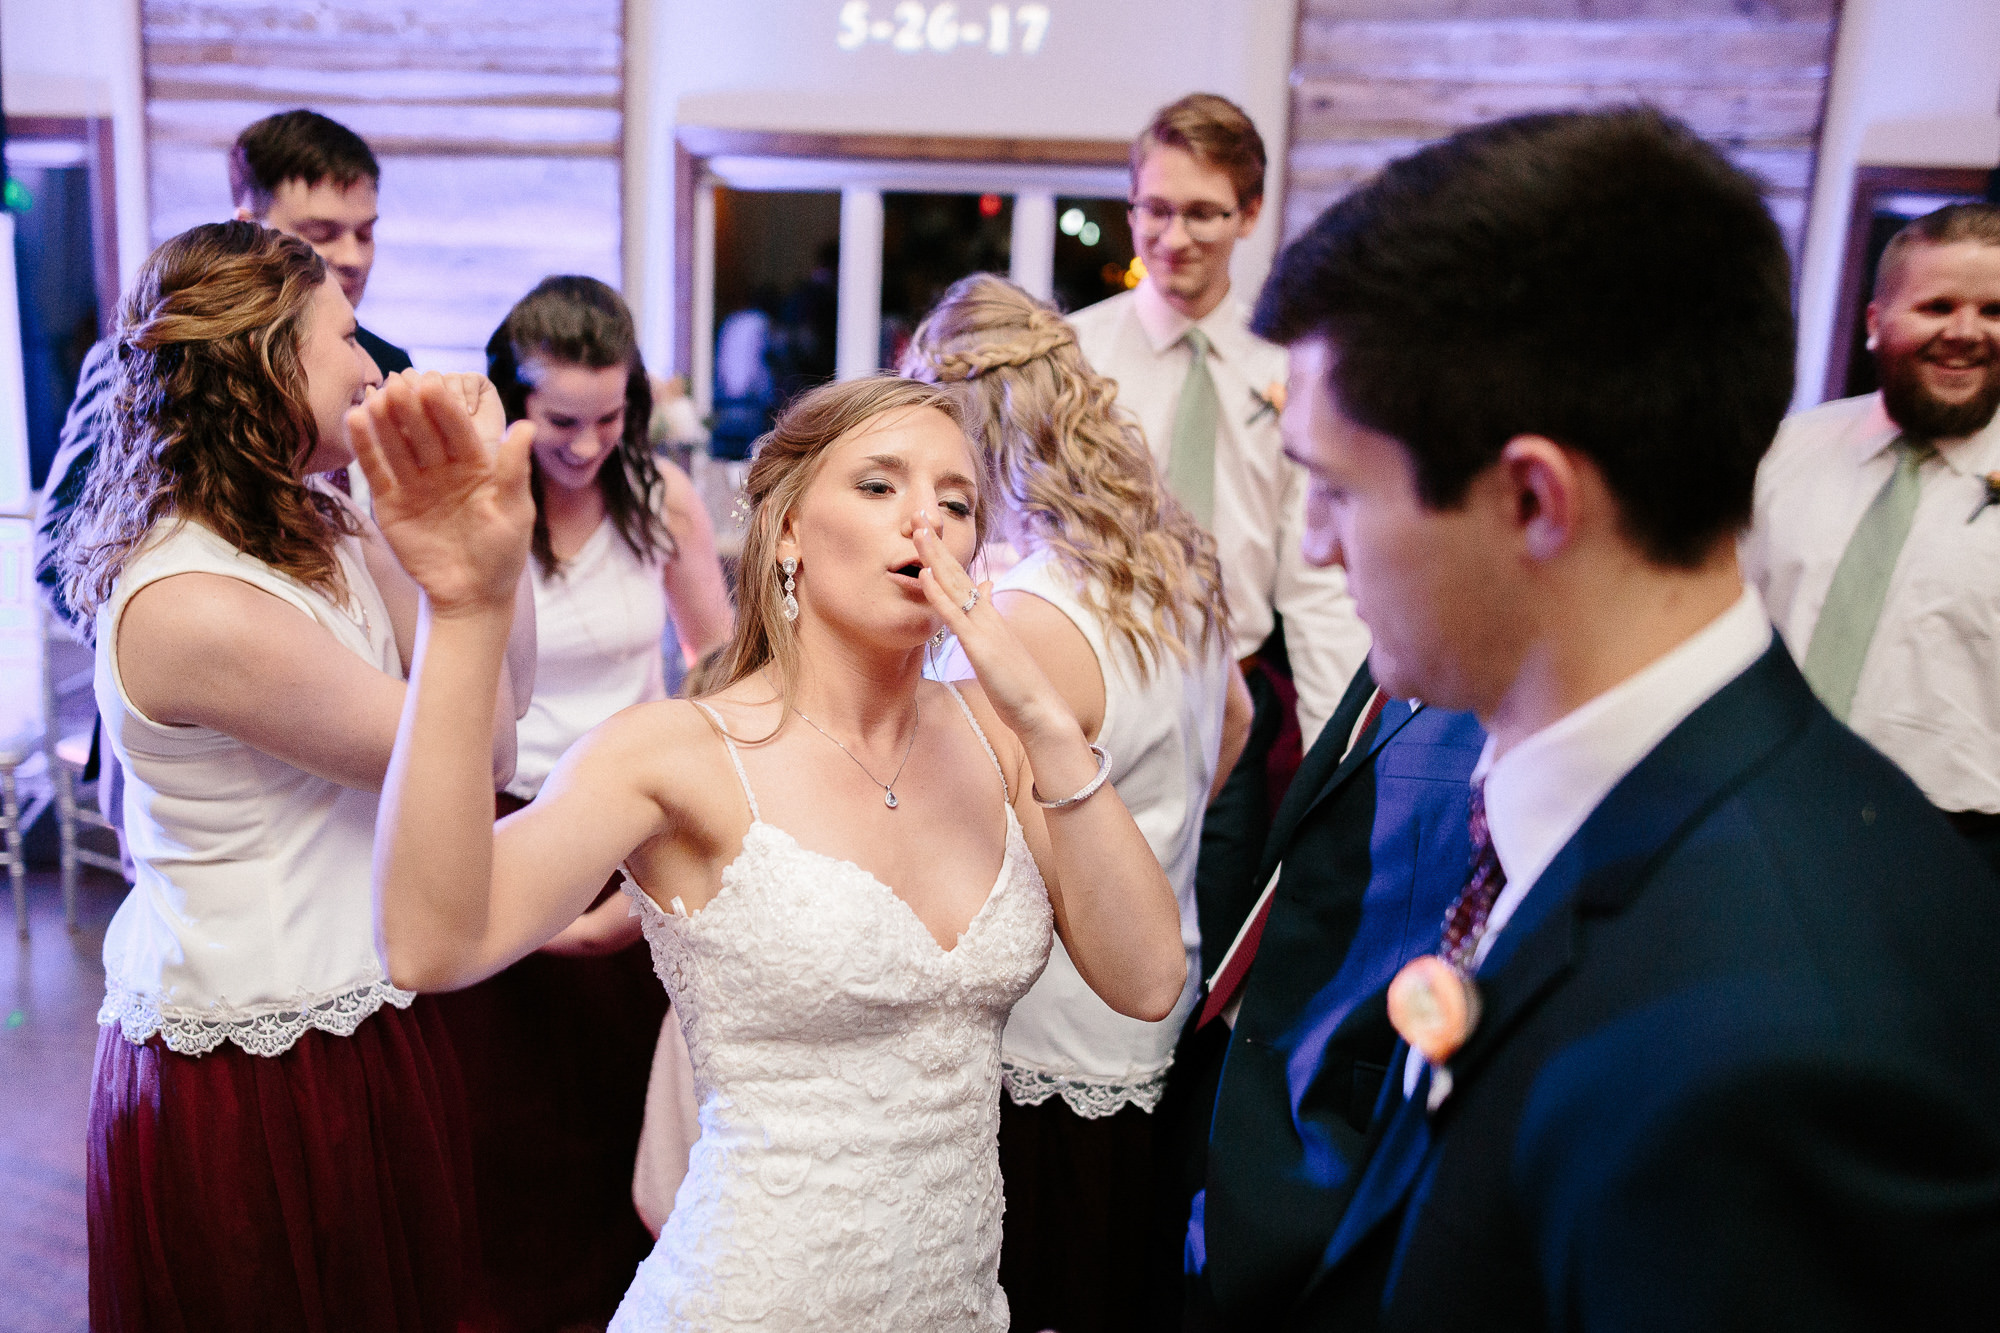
x=848, y=1068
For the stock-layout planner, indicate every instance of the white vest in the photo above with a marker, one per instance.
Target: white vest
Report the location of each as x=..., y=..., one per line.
x=1164, y=738
x=251, y=919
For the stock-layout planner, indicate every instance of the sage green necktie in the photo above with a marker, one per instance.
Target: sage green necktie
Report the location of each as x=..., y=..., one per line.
x=1860, y=584
x=1191, y=456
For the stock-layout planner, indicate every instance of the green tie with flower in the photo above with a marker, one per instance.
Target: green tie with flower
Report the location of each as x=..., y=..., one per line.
x=1860, y=584
x=1191, y=456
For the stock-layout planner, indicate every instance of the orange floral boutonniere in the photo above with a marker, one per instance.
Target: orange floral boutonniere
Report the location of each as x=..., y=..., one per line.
x=1989, y=498
x=1269, y=403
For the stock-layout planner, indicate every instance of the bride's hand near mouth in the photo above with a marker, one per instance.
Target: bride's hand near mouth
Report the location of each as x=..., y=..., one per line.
x=1016, y=686
x=1114, y=909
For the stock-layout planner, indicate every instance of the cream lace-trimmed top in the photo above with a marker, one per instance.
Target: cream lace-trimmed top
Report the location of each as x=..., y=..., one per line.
x=251, y=919
x=1164, y=737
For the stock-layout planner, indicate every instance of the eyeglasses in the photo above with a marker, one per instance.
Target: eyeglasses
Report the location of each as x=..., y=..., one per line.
x=1205, y=223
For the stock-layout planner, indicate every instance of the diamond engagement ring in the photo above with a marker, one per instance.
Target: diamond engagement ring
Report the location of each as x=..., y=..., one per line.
x=971, y=600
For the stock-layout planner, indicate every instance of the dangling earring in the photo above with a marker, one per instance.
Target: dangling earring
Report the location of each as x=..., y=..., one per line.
x=790, y=565
x=937, y=639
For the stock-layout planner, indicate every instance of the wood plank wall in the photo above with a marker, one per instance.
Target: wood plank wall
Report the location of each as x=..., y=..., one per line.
x=1375, y=79
x=498, y=127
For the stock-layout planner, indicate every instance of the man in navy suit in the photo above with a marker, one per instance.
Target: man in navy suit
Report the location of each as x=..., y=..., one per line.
x=1367, y=850
x=1734, y=1060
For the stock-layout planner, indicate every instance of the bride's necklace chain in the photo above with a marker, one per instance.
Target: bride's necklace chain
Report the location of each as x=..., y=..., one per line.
x=889, y=787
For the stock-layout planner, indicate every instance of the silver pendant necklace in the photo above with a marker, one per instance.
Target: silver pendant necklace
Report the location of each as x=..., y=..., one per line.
x=889, y=787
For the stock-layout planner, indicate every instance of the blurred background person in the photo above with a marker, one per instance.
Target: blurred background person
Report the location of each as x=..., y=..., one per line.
x=1876, y=544
x=746, y=395
x=1119, y=598
x=556, y=1049
x=276, y=1138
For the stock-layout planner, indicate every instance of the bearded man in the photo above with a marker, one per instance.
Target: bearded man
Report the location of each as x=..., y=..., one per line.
x=1876, y=542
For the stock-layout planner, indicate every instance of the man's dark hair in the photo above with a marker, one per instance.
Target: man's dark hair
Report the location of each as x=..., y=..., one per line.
x=1605, y=280
x=1945, y=226
x=296, y=145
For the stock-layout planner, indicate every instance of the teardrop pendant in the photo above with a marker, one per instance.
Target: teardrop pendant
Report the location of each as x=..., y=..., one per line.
x=889, y=798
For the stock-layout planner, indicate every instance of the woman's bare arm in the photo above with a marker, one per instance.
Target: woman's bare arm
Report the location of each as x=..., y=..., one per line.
x=1114, y=908
x=457, y=898
x=696, y=597
x=1062, y=653
x=1237, y=708
x=400, y=594
x=604, y=929
x=207, y=650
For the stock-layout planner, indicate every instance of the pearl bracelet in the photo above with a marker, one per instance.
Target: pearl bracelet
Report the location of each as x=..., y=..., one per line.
x=1089, y=788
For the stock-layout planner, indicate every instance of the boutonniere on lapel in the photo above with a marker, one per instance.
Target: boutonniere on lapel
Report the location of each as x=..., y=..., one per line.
x=1989, y=497
x=1434, y=1007
x=1269, y=403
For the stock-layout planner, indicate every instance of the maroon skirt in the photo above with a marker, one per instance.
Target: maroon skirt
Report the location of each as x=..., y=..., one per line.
x=325, y=1189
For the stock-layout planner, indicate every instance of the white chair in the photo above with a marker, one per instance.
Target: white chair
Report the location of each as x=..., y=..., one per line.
x=69, y=755
x=17, y=752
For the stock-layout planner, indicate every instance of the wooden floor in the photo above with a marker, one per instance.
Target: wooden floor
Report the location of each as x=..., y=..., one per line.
x=50, y=987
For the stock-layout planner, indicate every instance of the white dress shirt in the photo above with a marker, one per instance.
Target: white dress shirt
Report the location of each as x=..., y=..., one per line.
x=1260, y=495
x=1929, y=693
x=1539, y=793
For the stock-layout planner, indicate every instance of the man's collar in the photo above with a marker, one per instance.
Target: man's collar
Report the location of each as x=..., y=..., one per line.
x=1548, y=783
x=1164, y=326
x=1973, y=455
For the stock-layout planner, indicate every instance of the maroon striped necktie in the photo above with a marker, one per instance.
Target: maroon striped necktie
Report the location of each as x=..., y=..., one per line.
x=1465, y=919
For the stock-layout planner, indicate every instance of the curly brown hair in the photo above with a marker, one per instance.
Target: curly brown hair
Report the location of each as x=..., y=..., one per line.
x=211, y=421
x=1072, y=467
x=788, y=458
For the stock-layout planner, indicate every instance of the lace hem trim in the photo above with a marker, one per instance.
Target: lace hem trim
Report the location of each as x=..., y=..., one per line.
x=1091, y=1098
x=267, y=1033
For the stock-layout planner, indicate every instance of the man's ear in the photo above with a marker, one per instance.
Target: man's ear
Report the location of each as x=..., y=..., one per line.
x=1874, y=325
x=1251, y=212
x=1545, y=484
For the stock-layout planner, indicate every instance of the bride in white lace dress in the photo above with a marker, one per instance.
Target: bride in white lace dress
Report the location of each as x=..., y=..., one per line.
x=848, y=874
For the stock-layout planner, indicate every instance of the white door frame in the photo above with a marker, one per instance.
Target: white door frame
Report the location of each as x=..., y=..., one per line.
x=862, y=169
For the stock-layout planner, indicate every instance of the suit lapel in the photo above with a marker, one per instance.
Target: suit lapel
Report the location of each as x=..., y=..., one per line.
x=1598, y=871
x=1315, y=771
x=1309, y=788
x=1610, y=859
x=1396, y=715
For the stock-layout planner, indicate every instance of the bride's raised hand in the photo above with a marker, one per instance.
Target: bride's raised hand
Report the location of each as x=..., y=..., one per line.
x=1016, y=686
x=450, y=486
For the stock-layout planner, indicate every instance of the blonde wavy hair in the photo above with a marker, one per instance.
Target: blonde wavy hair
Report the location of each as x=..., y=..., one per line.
x=211, y=420
x=1072, y=467
x=788, y=458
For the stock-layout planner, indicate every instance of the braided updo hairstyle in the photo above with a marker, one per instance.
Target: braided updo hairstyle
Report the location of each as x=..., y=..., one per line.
x=1071, y=467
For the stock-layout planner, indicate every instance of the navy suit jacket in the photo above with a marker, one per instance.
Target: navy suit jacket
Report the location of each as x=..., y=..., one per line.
x=1374, y=848
x=1739, y=1065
